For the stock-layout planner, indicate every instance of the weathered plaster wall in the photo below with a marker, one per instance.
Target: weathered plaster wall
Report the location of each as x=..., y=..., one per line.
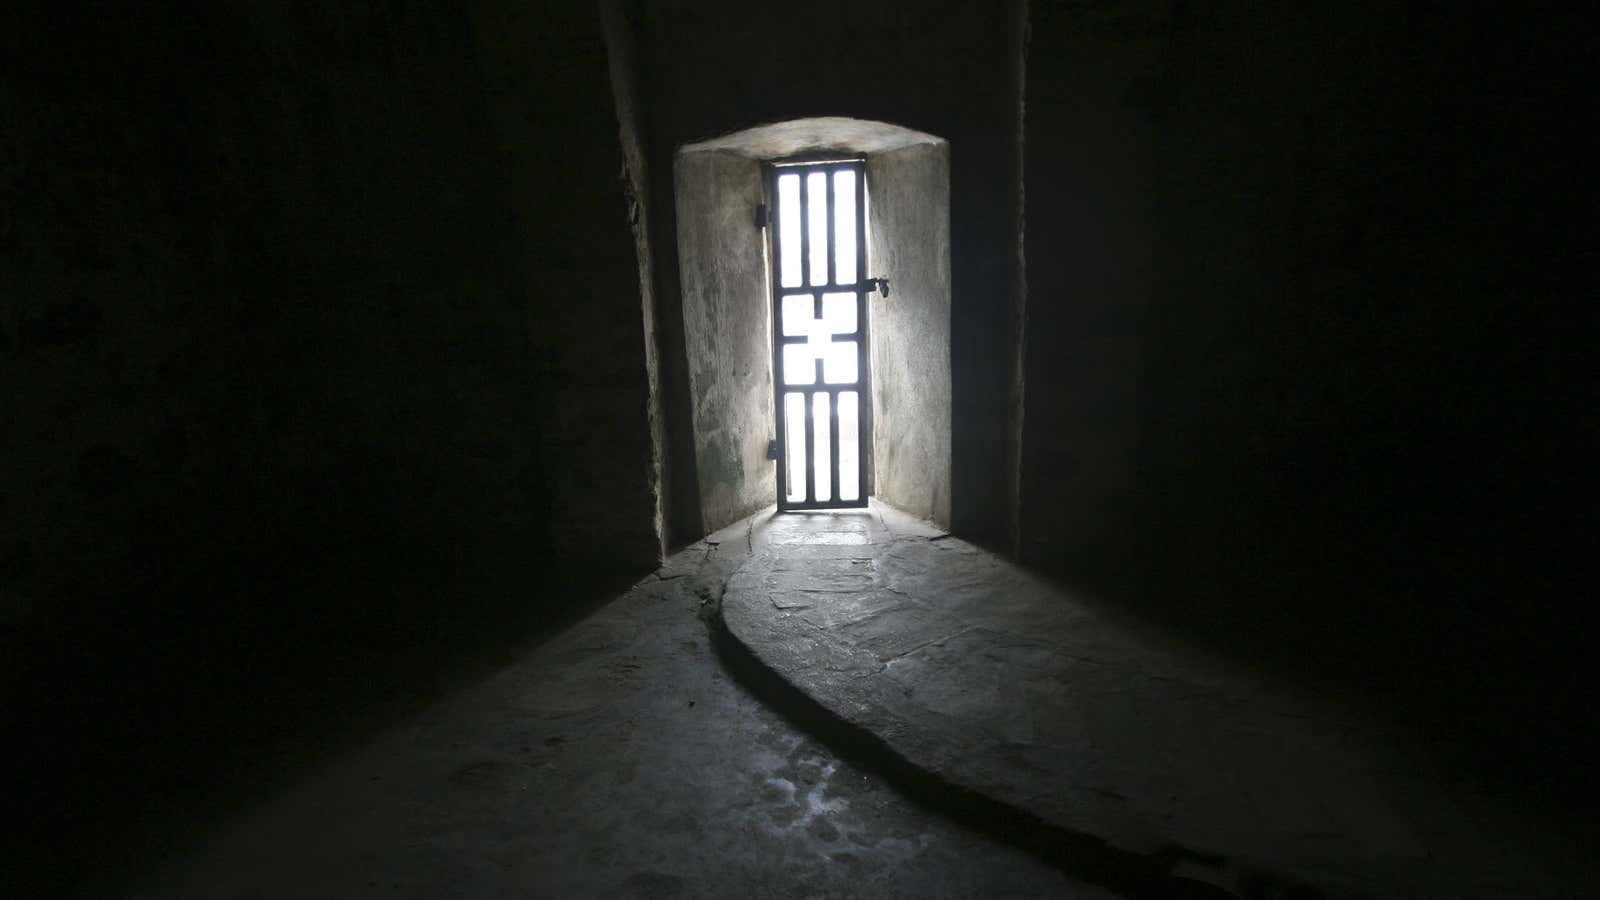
x=728, y=341
x=909, y=243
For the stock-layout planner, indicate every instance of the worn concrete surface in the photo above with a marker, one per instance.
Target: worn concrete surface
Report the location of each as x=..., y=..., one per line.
x=617, y=760
x=996, y=682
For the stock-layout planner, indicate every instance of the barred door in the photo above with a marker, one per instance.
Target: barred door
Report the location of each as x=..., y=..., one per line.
x=819, y=342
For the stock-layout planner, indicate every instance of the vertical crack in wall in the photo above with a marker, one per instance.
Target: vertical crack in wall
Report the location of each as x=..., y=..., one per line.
x=1019, y=321
x=636, y=189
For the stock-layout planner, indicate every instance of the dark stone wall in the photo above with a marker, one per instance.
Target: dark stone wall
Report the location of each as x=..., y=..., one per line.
x=551, y=98
x=320, y=332
x=1297, y=379
x=1091, y=189
x=710, y=68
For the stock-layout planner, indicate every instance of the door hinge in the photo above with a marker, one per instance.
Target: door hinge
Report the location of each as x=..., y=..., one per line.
x=761, y=215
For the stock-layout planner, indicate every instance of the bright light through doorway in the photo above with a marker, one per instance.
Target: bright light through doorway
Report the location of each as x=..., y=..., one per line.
x=820, y=302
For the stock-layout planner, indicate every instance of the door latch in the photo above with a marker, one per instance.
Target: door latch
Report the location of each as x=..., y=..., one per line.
x=772, y=449
x=882, y=284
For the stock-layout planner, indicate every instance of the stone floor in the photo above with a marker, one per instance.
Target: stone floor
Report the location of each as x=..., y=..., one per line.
x=619, y=759
x=857, y=705
x=999, y=684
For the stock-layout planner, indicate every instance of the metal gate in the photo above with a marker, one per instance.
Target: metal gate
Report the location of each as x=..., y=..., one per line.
x=819, y=335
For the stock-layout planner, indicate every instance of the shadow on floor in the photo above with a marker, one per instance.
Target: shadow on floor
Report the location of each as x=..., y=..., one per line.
x=147, y=728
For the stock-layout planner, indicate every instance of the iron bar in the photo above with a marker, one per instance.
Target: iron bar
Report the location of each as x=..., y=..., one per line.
x=810, y=448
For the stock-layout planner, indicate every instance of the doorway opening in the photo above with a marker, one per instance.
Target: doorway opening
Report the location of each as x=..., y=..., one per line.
x=809, y=382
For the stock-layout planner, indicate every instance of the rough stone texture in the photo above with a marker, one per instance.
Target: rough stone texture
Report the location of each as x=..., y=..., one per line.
x=908, y=235
x=998, y=682
x=616, y=760
x=728, y=340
